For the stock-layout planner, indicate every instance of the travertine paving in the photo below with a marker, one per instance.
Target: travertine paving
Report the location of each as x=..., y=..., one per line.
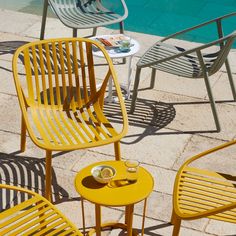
x=173, y=121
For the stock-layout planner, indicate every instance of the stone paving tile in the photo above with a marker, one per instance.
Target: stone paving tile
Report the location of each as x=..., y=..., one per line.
x=159, y=206
x=164, y=178
x=222, y=90
x=10, y=114
x=67, y=160
x=221, y=228
x=7, y=81
x=148, y=147
x=71, y=208
x=194, y=115
x=219, y=161
x=9, y=43
x=179, y=85
x=20, y=24
x=90, y=157
x=160, y=228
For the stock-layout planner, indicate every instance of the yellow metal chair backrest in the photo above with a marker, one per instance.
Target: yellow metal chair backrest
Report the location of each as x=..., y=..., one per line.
x=61, y=94
x=199, y=192
x=28, y=213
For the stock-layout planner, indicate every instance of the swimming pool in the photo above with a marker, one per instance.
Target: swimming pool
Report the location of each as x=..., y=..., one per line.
x=157, y=17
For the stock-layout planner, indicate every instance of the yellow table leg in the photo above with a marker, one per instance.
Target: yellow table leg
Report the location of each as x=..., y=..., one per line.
x=129, y=218
x=98, y=219
x=144, y=215
x=83, y=216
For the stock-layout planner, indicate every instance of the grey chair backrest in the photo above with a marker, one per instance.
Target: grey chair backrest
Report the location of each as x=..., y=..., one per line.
x=84, y=14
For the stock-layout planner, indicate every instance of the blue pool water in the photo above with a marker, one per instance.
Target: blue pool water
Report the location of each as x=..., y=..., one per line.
x=157, y=17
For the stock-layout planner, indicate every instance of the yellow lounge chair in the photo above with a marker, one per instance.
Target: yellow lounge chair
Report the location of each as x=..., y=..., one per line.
x=31, y=214
x=202, y=193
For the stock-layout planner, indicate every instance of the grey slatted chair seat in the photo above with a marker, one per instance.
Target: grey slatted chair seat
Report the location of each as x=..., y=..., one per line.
x=195, y=62
x=186, y=66
x=84, y=14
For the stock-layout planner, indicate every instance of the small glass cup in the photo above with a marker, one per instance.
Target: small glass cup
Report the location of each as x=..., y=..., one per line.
x=132, y=167
x=125, y=45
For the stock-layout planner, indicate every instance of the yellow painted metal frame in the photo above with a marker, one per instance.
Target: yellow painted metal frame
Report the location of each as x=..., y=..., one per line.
x=34, y=216
x=63, y=120
x=202, y=193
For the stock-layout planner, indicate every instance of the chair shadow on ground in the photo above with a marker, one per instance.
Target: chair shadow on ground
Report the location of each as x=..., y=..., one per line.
x=9, y=47
x=152, y=116
x=27, y=172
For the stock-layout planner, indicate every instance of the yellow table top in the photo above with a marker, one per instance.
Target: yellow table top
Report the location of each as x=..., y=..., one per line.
x=119, y=192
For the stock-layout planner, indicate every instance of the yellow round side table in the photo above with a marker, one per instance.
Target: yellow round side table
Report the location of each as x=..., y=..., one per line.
x=119, y=192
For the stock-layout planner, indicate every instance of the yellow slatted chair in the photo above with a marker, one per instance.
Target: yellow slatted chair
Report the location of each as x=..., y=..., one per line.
x=200, y=193
x=31, y=214
x=61, y=100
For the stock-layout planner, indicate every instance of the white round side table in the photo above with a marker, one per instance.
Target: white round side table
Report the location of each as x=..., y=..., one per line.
x=115, y=53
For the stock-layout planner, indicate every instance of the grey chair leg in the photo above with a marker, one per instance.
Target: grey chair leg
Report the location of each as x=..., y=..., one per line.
x=122, y=27
x=122, y=32
x=44, y=16
x=209, y=91
x=95, y=31
x=135, y=90
x=153, y=76
x=231, y=81
x=74, y=33
x=213, y=106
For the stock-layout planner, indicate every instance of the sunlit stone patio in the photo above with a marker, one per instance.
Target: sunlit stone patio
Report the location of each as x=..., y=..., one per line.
x=172, y=122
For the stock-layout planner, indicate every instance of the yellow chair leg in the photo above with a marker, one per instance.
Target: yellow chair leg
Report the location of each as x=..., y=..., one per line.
x=98, y=219
x=23, y=135
x=176, y=222
x=117, y=151
x=48, y=176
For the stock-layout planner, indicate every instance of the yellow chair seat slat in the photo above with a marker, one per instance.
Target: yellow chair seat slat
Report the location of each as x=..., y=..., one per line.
x=195, y=195
x=228, y=216
x=208, y=176
x=23, y=214
x=91, y=128
x=35, y=216
x=199, y=203
x=29, y=226
x=185, y=206
x=209, y=186
x=222, y=217
x=211, y=191
x=17, y=208
x=51, y=224
x=63, y=229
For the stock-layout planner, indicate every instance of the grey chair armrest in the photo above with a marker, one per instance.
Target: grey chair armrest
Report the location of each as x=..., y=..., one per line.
x=189, y=51
x=216, y=20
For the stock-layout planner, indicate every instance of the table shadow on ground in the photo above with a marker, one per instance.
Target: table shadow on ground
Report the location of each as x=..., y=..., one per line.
x=150, y=115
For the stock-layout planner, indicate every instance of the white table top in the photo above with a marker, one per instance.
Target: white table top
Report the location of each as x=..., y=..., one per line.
x=114, y=52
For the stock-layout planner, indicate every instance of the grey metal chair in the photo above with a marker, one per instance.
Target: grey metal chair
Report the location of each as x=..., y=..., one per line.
x=84, y=14
x=190, y=63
